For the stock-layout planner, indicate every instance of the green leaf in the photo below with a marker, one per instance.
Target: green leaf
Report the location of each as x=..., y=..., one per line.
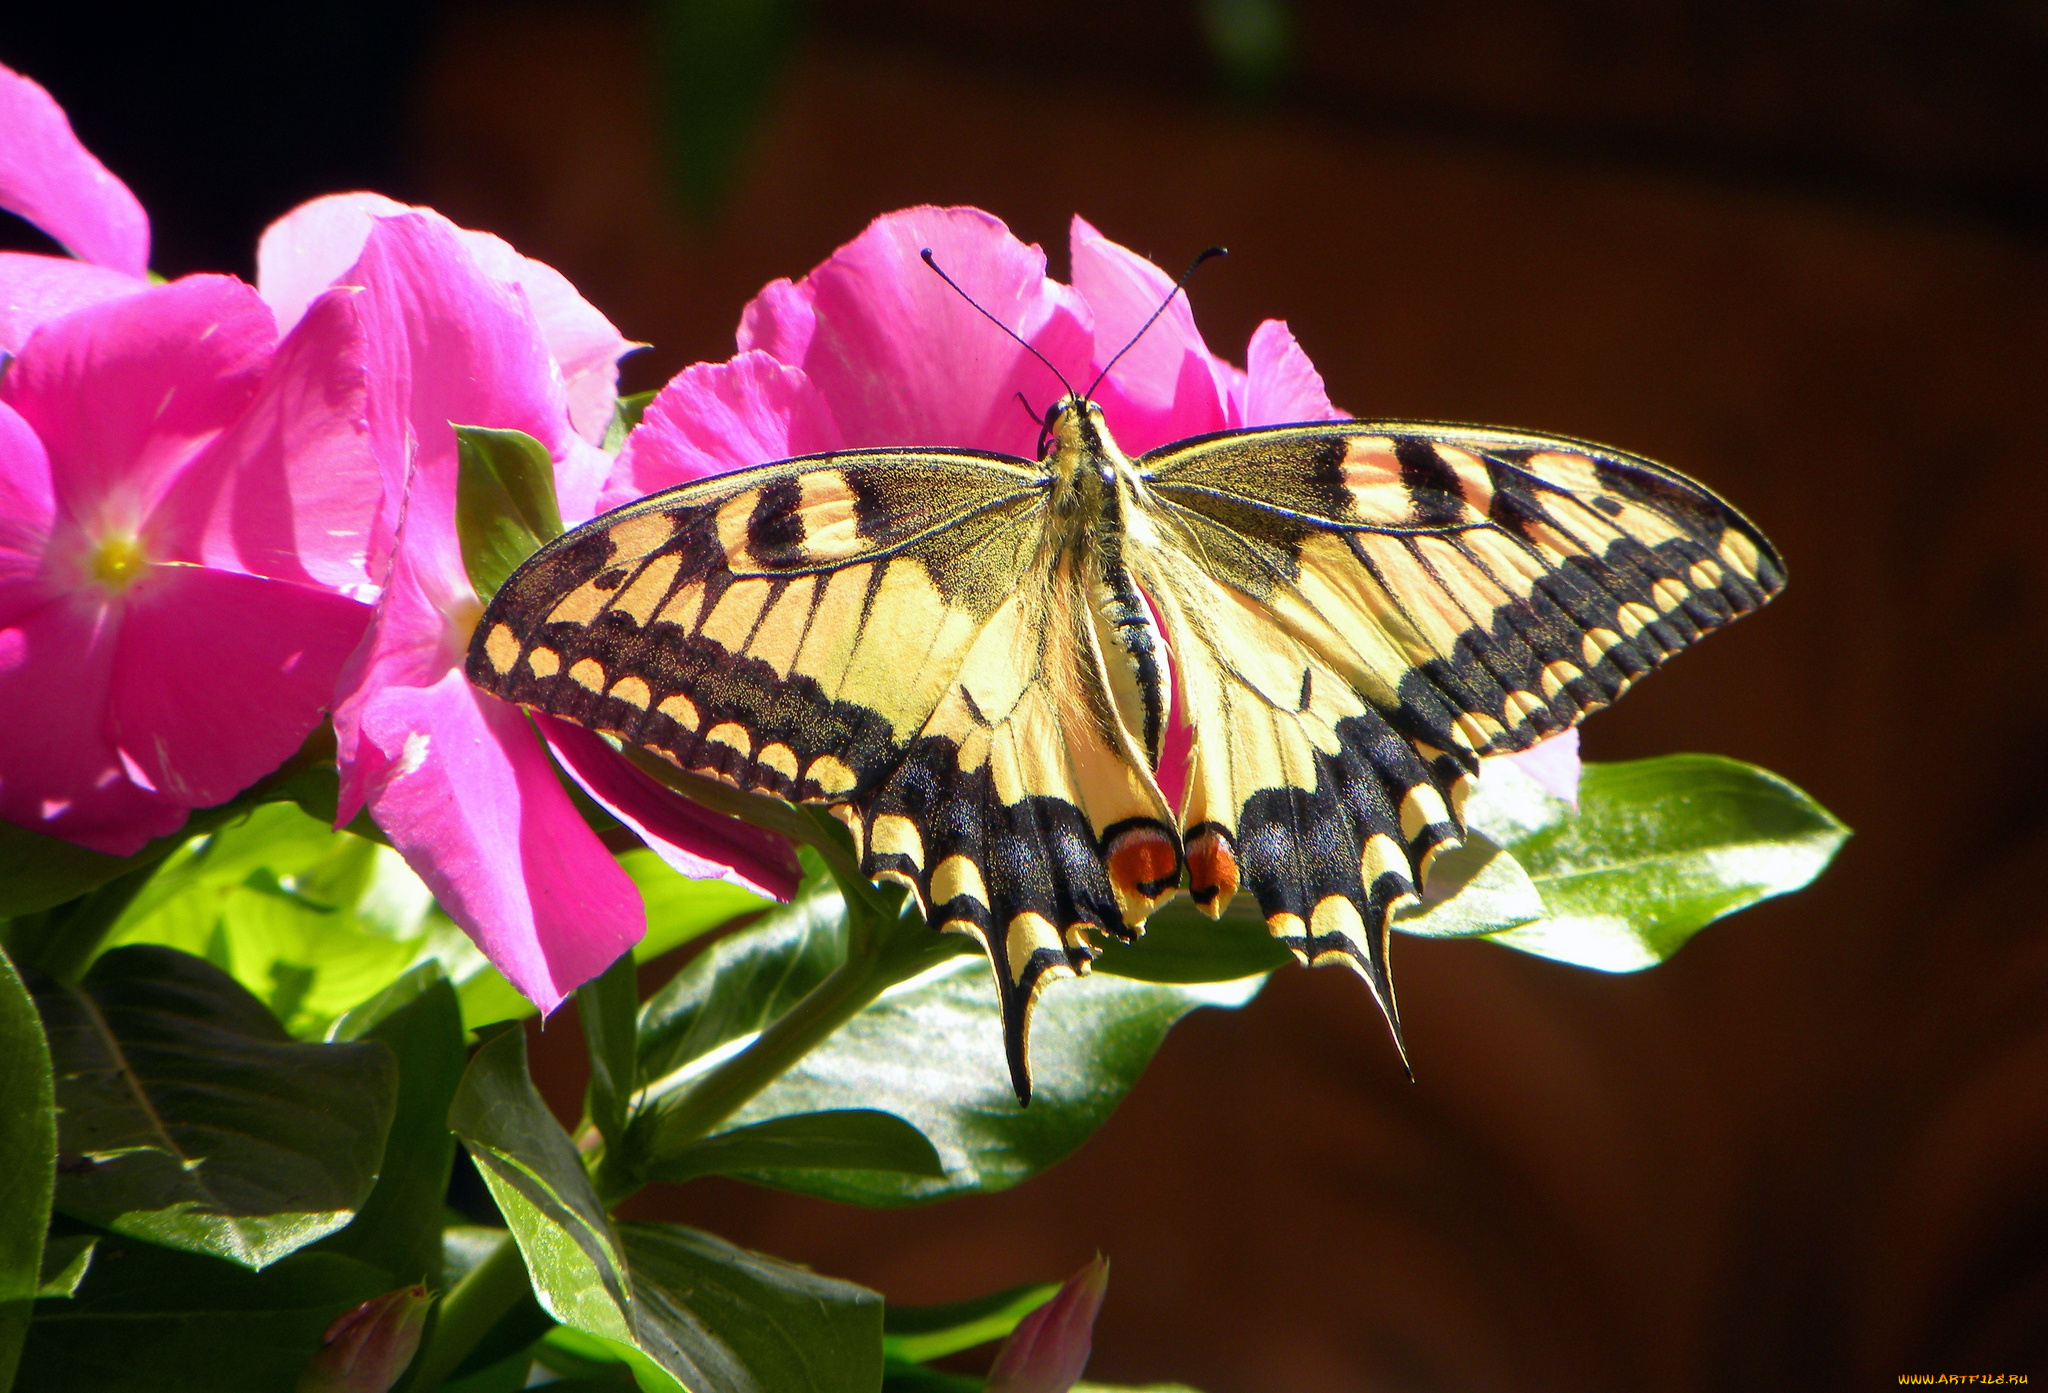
x=187, y=1117
x=572, y=1255
x=1477, y=889
x=915, y=1334
x=848, y=1139
x=65, y=1261
x=151, y=1320
x=28, y=1140
x=928, y=1050
x=678, y=910
x=607, y=1006
x=1182, y=944
x=1659, y=849
x=504, y=503
x=312, y=921
x=625, y=420
x=399, y=1226
x=716, y=1316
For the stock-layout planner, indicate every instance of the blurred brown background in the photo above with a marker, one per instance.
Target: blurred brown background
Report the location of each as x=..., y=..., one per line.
x=1798, y=250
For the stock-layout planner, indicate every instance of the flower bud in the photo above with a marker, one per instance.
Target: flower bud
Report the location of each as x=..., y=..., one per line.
x=367, y=1348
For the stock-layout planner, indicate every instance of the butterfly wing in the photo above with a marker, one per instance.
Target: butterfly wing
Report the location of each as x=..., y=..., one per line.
x=887, y=632
x=1361, y=611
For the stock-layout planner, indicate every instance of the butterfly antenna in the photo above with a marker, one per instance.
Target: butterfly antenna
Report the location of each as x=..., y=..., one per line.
x=1178, y=286
x=932, y=262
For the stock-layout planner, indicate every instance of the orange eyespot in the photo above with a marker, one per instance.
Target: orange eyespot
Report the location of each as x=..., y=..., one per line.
x=1142, y=860
x=1212, y=869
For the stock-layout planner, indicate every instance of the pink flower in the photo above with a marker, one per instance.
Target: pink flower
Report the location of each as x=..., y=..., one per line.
x=51, y=180
x=307, y=249
x=872, y=349
x=1048, y=1351
x=458, y=780
x=181, y=496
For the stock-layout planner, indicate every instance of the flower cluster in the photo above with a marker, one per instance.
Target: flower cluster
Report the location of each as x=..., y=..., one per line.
x=227, y=512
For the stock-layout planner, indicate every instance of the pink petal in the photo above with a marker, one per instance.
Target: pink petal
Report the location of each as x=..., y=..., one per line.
x=1282, y=386
x=50, y=179
x=581, y=339
x=1554, y=764
x=123, y=393
x=716, y=417
x=1048, y=1351
x=466, y=793
x=903, y=360
x=60, y=772
x=580, y=477
x=692, y=839
x=35, y=288
x=779, y=322
x=27, y=509
x=448, y=343
x=220, y=677
x=1168, y=386
x=292, y=490
x=309, y=248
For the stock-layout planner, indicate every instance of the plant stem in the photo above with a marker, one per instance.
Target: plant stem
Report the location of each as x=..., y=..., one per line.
x=467, y=1313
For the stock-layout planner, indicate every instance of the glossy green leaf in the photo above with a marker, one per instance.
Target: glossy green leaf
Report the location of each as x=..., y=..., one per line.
x=28, y=1140
x=399, y=1226
x=187, y=1117
x=151, y=1320
x=849, y=1139
x=930, y=1051
x=504, y=503
x=66, y=1258
x=607, y=1006
x=716, y=1316
x=625, y=420
x=1658, y=849
x=915, y=1334
x=311, y=920
x=1477, y=889
x=538, y=1180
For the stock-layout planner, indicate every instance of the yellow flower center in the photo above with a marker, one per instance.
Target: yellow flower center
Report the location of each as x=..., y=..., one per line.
x=118, y=562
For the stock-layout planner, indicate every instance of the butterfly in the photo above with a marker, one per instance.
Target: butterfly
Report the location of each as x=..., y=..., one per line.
x=973, y=659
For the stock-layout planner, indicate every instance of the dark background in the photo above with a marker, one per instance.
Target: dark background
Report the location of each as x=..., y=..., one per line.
x=1799, y=250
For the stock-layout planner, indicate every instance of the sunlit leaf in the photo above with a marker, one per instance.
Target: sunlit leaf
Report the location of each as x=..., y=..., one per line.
x=849, y=1139
x=504, y=503
x=187, y=1117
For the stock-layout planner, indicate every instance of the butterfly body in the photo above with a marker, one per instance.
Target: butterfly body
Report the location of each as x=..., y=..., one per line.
x=976, y=660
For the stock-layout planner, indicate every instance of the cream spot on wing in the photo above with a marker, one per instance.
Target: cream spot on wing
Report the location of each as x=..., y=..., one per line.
x=1421, y=806
x=679, y=709
x=589, y=674
x=1334, y=914
x=1520, y=706
x=1371, y=474
x=1635, y=617
x=1381, y=855
x=636, y=536
x=579, y=606
x=1461, y=794
x=1475, y=730
x=1740, y=552
x=1669, y=594
x=894, y=834
x=781, y=629
x=1474, y=483
x=830, y=774
x=1027, y=934
x=1557, y=675
x=732, y=619
x=545, y=662
x=632, y=691
x=1705, y=575
x=830, y=525
x=731, y=734
x=1285, y=925
x=780, y=758
x=682, y=610
x=731, y=522
x=502, y=647
x=1596, y=643
x=649, y=588
x=1573, y=472
x=850, y=820
x=956, y=876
